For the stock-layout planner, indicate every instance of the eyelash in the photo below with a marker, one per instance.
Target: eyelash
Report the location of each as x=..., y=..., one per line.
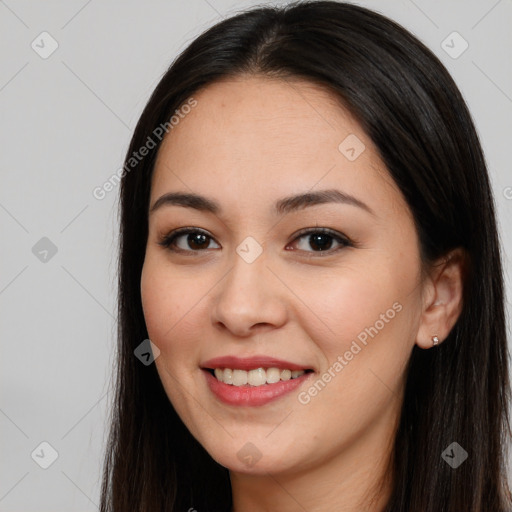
x=168, y=240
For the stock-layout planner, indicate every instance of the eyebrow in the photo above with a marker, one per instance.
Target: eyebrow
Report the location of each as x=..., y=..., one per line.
x=281, y=207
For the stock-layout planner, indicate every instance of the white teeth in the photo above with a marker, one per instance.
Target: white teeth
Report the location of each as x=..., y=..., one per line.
x=286, y=375
x=239, y=377
x=227, y=376
x=273, y=375
x=256, y=377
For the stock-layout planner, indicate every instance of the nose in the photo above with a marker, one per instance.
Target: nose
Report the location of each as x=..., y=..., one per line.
x=249, y=299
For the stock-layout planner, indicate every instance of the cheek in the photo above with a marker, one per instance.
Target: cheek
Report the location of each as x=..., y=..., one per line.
x=177, y=311
x=370, y=306
x=348, y=300
x=168, y=305
x=365, y=349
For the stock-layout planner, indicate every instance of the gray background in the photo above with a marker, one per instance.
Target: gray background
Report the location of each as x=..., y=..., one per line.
x=65, y=126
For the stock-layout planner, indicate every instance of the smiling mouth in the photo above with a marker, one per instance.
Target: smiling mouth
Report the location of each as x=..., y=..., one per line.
x=256, y=377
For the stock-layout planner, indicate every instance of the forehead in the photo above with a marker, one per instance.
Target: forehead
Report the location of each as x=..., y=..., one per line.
x=268, y=137
x=245, y=116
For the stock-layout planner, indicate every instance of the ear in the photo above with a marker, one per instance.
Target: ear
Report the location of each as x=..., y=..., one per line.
x=442, y=298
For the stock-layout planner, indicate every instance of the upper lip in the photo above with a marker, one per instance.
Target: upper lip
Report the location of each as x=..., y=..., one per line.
x=251, y=363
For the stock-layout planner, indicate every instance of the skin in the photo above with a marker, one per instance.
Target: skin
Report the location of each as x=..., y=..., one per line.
x=249, y=142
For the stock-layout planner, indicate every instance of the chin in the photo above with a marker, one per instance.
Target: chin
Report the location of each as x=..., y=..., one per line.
x=252, y=458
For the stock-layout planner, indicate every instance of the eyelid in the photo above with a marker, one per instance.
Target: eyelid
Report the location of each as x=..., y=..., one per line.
x=169, y=239
x=342, y=239
x=166, y=240
x=325, y=231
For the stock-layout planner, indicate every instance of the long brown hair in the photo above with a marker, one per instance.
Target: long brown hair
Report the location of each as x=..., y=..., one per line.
x=412, y=110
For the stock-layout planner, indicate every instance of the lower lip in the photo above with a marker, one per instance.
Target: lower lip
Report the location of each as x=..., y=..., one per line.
x=252, y=395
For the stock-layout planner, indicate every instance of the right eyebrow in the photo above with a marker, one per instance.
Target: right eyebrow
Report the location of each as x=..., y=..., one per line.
x=186, y=200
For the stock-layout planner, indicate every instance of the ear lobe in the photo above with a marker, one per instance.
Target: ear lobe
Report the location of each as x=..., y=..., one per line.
x=443, y=299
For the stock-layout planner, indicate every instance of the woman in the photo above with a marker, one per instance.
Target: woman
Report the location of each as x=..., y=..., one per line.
x=308, y=239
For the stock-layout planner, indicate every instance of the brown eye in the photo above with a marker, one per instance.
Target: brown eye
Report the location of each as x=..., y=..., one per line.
x=187, y=240
x=321, y=240
x=318, y=240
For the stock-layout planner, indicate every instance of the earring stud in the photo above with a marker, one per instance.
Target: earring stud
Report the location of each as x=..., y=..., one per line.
x=435, y=340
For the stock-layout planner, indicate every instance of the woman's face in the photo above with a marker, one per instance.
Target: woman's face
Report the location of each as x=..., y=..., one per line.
x=250, y=282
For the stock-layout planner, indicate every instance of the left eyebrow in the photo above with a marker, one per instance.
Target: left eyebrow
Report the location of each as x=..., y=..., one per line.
x=281, y=207
x=301, y=201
